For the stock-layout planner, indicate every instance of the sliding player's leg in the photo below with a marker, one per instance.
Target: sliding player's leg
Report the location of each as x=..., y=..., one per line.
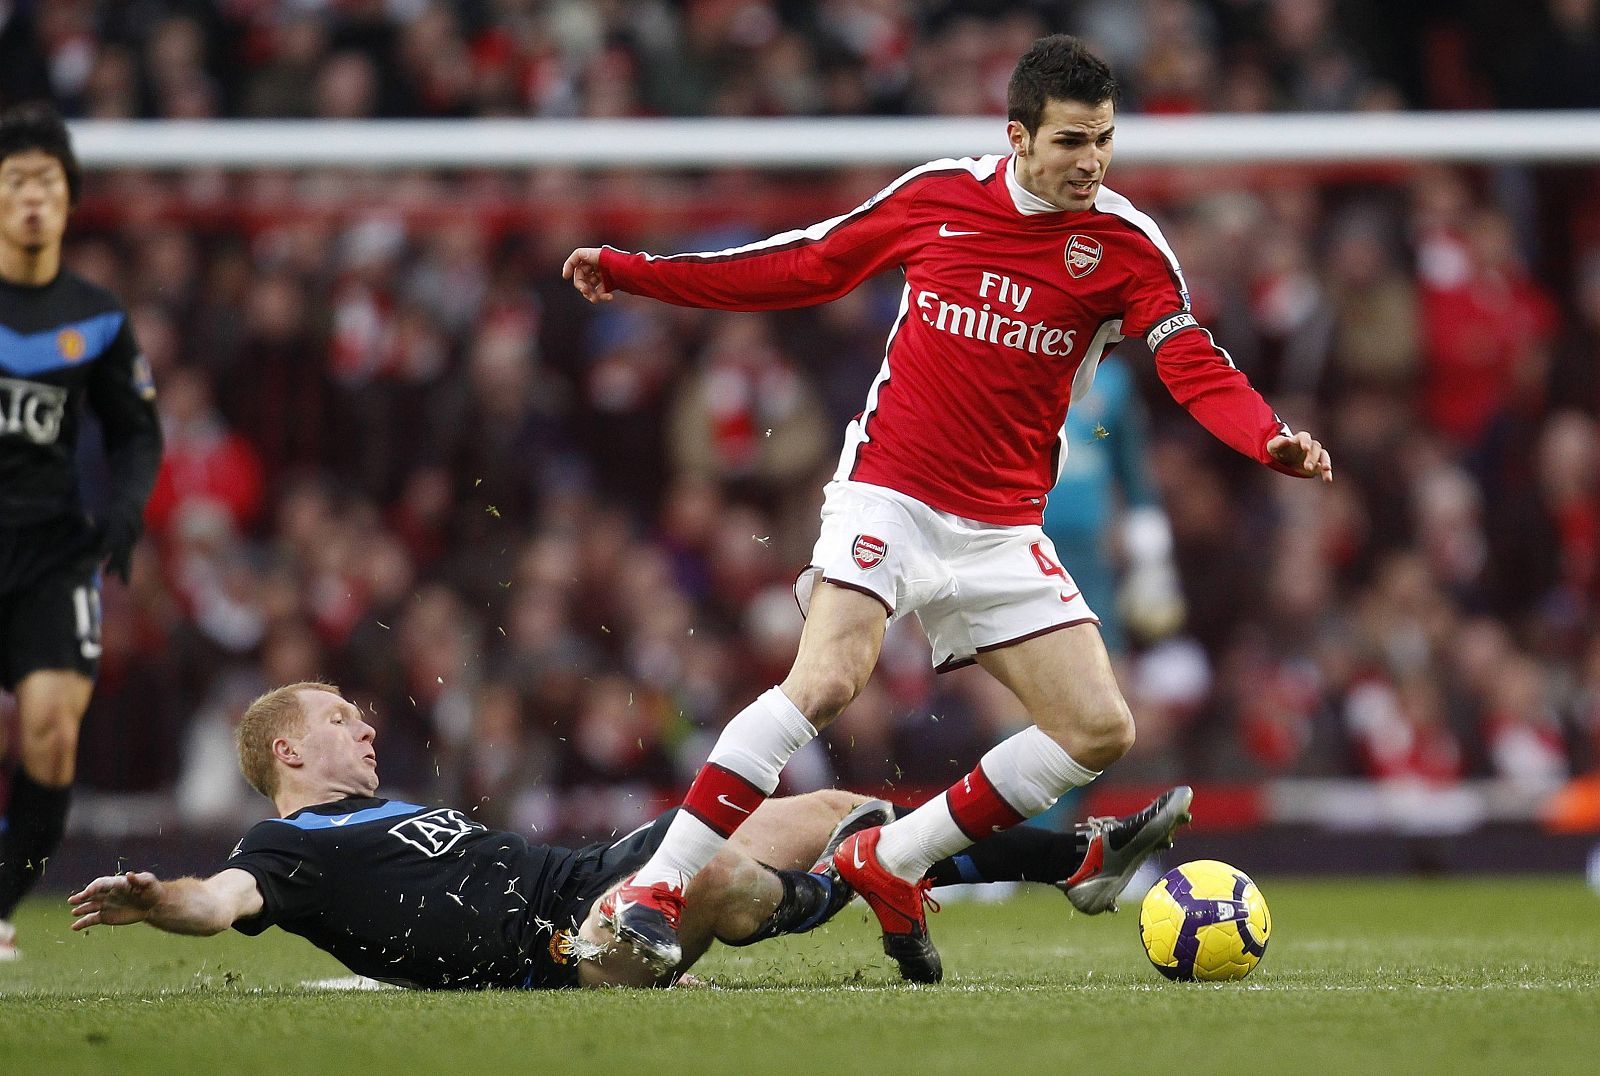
x=838, y=649
x=1091, y=864
x=758, y=886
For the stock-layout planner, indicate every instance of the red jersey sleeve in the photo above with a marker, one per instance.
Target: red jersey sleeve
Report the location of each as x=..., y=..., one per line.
x=796, y=268
x=1200, y=375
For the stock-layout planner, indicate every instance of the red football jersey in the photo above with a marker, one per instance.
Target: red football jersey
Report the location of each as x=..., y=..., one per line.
x=1008, y=307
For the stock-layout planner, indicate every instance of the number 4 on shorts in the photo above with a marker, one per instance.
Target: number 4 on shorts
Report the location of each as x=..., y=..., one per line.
x=1050, y=567
x=1046, y=565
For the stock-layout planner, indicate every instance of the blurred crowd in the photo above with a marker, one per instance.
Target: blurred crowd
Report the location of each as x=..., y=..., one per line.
x=550, y=547
x=186, y=59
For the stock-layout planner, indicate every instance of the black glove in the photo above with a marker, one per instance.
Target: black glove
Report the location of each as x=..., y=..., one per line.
x=118, y=535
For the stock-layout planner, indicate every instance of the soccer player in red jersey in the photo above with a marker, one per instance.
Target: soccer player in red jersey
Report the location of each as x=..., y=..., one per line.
x=1021, y=271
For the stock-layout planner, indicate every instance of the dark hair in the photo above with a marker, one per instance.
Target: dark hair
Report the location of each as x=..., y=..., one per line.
x=38, y=126
x=1056, y=68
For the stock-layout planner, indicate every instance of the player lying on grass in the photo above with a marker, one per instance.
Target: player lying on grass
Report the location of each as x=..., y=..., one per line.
x=426, y=897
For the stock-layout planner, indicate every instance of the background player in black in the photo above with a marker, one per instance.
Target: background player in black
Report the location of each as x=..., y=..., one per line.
x=64, y=344
x=427, y=897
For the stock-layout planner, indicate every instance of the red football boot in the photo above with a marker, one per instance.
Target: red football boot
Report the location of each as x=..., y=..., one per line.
x=896, y=902
x=647, y=917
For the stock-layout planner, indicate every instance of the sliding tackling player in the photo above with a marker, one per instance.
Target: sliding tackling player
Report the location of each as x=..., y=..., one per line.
x=426, y=897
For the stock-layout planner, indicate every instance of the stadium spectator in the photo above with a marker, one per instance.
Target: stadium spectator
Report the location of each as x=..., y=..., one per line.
x=744, y=415
x=204, y=463
x=1487, y=330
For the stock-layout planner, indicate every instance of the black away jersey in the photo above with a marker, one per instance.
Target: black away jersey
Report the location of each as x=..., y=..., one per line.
x=64, y=344
x=419, y=896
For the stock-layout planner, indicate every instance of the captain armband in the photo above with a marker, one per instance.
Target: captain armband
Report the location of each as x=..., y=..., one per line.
x=1167, y=326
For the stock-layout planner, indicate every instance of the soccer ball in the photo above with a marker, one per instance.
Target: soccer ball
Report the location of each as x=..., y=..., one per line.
x=1204, y=920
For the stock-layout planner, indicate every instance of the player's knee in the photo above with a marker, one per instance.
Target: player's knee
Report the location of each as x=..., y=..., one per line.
x=726, y=874
x=1097, y=739
x=836, y=801
x=724, y=895
x=1122, y=734
x=49, y=750
x=823, y=694
x=1110, y=737
x=828, y=805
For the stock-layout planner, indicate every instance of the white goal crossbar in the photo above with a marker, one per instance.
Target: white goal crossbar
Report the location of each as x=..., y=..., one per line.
x=1468, y=137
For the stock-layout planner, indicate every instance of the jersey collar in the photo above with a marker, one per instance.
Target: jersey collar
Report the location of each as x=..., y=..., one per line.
x=1026, y=202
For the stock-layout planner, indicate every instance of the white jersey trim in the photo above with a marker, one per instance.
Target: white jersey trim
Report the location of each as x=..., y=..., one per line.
x=981, y=168
x=1109, y=201
x=855, y=434
x=1107, y=336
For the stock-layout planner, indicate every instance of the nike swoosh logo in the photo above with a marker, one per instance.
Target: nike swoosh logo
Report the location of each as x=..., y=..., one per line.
x=944, y=230
x=1069, y=597
x=340, y=821
x=726, y=802
x=855, y=854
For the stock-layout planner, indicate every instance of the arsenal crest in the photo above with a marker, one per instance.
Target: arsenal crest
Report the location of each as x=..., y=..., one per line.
x=869, y=551
x=1083, y=254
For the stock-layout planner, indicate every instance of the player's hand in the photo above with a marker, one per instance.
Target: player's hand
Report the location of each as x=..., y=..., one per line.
x=583, y=269
x=118, y=535
x=1302, y=454
x=116, y=900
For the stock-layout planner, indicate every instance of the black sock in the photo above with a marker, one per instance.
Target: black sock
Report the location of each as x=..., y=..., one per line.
x=34, y=824
x=1019, y=854
x=804, y=906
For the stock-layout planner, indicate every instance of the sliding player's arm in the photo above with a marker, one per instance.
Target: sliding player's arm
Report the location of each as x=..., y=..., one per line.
x=797, y=268
x=181, y=906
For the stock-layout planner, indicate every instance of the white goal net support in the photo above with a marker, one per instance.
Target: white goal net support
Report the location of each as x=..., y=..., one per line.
x=1472, y=138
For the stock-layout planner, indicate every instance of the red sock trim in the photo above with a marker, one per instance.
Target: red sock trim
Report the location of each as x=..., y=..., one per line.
x=978, y=808
x=722, y=799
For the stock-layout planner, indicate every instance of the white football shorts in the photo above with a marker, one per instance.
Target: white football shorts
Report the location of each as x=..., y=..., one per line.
x=973, y=586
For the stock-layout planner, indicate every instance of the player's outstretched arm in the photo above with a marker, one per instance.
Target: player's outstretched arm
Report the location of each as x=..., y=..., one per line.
x=582, y=267
x=1302, y=454
x=799, y=267
x=182, y=906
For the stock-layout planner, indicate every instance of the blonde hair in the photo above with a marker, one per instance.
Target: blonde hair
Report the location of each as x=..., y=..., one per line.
x=277, y=713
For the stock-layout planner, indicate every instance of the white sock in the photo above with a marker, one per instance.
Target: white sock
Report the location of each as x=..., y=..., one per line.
x=759, y=740
x=1029, y=770
x=755, y=745
x=910, y=845
x=688, y=846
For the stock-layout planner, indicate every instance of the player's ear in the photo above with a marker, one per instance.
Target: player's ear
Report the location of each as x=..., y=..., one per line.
x=1017, y=135
x=286, y=751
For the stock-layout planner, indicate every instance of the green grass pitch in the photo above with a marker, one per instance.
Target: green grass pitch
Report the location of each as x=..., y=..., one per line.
x=1361, y=976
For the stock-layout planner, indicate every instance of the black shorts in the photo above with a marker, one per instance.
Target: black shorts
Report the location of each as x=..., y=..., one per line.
x=594, y=869
x=49, y=599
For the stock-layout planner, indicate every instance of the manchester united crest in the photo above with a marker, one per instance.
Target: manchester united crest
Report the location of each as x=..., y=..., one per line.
x=71, y=344
x=1083, y=254
x=868, y=551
